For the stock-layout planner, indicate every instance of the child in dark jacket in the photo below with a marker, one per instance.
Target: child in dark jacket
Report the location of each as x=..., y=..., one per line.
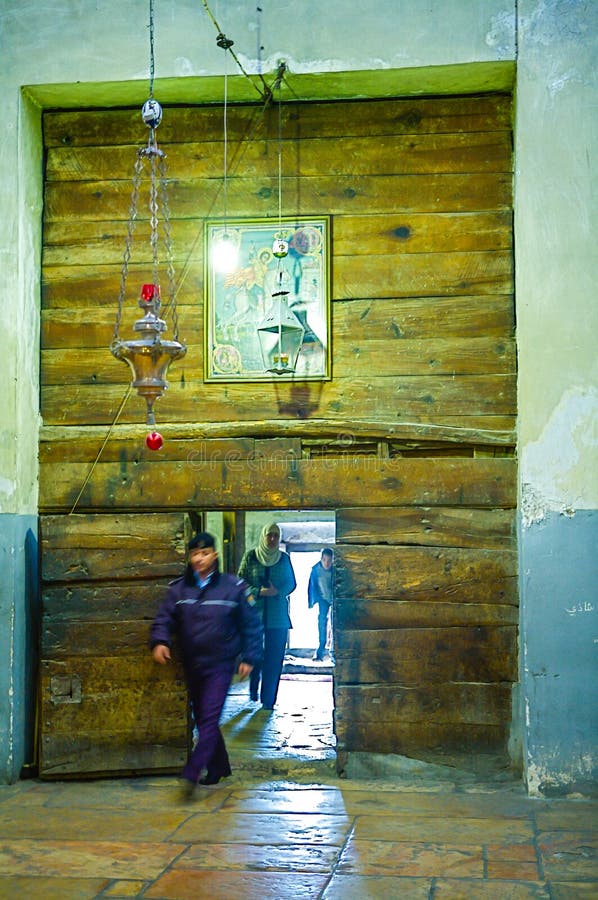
x=218, y=631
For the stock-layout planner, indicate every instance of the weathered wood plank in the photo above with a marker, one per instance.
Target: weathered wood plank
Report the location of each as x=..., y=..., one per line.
x=95, y=326
x=459, y=356
x=368, y=235
x=106, y=714
x=114, y=722
x=102, y=601
x=108, y=201
x=411, y=115
x=419, y=739
x=97, y=638
x=73, y=564
x=383, y=705
x=423, y=318
x=404, y=398
x=419, y=656
x=81, y=243
x=127, y=533
x=94, y=290
x=279, y=483
x=135, y=450
x=433, y=527
x=105, y=673
x=357, y=613
x=425, y=573
x=192, y=442
x=114, y=753
x=388, y=154
x=423, y=275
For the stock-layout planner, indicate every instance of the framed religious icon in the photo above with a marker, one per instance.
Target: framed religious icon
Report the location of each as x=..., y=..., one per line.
x=267, y=299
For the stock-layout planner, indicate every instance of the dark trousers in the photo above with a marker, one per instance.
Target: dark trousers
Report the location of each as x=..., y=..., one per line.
x=208, y=688
x=275, y=644
x=323, y=609
x=254, y=681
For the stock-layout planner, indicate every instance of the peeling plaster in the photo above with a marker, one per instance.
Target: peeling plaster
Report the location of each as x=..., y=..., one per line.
x=500, y=34
x=547, y=781
x=559, y=470
x=556, y=21
x=7, y=491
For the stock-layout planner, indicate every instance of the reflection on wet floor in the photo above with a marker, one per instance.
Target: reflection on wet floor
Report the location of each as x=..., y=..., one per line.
x=298, y=730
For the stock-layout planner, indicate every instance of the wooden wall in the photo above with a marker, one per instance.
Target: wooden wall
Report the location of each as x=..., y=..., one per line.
x=105, y=706
x=411, y=441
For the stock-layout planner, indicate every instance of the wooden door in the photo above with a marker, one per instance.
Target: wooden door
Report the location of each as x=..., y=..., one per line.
x=426, y=630
x=105, y=706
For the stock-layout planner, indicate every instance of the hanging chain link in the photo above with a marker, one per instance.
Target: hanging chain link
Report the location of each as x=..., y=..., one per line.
x=152, y=151
x=158, y=202
x=171, y=303
x=128, y=241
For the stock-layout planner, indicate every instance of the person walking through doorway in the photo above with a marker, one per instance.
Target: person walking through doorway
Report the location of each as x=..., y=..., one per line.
x=218, y=630
x=320, y=590
x=269, y=573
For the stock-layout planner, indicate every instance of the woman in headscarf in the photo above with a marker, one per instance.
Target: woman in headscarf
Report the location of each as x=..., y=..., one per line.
x=268, y=571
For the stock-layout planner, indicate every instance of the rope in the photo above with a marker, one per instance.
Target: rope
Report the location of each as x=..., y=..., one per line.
x=101, y=450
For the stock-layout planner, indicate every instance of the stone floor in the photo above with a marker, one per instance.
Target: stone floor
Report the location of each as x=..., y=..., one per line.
x=286, y=827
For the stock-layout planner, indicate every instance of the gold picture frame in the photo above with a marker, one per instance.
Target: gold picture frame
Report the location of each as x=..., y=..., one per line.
x=238, y=296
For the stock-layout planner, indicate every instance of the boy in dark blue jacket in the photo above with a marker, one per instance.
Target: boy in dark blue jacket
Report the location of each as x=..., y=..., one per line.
x=218, y=631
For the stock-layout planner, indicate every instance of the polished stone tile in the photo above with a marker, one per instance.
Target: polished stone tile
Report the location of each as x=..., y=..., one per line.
x=569, y=856
x=91, y=824
x=184, y=884
x=390, y=802
x=308, y=800
x=361, y=857
x=263, y=829
x=442, y=829
x=572, y=815
x=27, y=887
x=125, y=794
x=254, y=857
x=511, y=869
x=571, y=890
x=515, y=852
x=79, y=859
x=123, y=889
x=377, y=887
x=489, y=890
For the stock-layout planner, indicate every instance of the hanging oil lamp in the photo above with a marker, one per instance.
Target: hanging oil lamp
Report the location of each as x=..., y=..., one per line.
x=149, y=355
x=281, y=333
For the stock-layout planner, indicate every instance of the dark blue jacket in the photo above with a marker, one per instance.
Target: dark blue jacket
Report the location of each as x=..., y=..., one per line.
x=213, y=624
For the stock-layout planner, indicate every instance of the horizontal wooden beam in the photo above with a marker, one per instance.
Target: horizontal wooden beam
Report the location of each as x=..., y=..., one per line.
x=282, y=483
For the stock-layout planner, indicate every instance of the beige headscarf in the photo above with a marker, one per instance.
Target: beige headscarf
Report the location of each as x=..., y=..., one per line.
x=265, y=555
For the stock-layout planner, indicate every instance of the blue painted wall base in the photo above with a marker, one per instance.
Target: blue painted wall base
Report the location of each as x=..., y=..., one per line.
x=559, y=652
x=19, y=629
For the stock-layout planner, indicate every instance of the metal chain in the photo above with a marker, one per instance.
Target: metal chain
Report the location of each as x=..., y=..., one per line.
x=128, y=241
x=151, y=27
x=171, y=304
x=153, y=209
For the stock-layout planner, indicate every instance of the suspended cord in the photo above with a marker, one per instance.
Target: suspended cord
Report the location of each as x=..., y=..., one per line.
x=279, y=161
x=267, y=97
x=151, y=28
x=101, y=450
x=267, y=92
x=226, y=44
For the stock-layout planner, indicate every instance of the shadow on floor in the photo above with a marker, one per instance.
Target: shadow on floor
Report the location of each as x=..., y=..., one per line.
x=297, y=740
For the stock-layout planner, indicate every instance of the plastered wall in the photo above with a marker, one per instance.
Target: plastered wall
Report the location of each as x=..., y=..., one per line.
x=65, y=53
x=557, y=327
